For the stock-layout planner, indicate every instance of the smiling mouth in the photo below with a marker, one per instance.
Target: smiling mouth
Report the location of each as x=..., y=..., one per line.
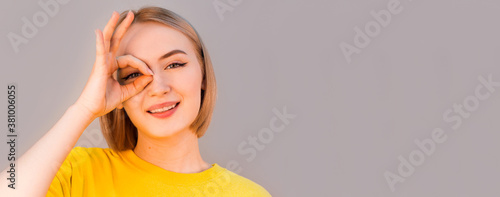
x=164, y=109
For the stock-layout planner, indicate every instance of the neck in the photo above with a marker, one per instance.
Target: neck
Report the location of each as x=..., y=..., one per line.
x=178, y=153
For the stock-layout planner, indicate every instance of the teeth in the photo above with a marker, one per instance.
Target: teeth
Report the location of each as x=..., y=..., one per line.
x=163, y=109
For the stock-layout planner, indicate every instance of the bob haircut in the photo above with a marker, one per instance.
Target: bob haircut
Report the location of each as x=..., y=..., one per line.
x=118, y=130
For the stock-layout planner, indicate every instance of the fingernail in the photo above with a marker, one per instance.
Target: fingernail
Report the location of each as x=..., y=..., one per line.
x=150, y=72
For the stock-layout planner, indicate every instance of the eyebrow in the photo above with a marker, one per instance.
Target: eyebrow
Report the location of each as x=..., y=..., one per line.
x=173, y=52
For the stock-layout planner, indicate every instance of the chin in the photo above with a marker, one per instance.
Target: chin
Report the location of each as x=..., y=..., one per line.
x=163, y=131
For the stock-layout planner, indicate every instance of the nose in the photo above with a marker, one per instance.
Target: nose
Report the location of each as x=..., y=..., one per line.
x=159, y=86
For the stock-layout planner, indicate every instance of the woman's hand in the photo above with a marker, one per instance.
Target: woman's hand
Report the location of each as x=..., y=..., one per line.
x=103, y=93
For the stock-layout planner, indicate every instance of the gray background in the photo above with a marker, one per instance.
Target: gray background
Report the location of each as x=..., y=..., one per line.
x=353, y=120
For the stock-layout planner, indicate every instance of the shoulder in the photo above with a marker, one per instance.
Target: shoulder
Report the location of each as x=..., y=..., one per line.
x=242, y=186
x=84, y=151
x=80, y=163
x=83, y=155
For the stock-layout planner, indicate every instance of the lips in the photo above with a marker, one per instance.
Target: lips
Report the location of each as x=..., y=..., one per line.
x=158, y=107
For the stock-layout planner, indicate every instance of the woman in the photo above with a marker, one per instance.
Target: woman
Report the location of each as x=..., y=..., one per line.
x=153, y=87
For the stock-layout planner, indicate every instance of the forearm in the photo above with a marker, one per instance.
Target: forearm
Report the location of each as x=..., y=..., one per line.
x=37, y=167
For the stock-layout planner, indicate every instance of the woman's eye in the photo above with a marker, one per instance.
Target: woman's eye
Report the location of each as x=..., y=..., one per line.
x=175, y=65
x=133, y=75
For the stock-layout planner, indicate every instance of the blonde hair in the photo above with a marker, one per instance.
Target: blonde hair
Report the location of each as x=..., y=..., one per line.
x=118, y=130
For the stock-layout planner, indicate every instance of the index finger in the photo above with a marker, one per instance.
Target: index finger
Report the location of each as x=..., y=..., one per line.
x=129, y=60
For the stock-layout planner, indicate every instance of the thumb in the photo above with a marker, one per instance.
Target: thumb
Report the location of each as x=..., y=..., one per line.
x=137, y=86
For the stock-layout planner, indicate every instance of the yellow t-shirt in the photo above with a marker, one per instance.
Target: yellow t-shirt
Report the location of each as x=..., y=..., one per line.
x=104, y=172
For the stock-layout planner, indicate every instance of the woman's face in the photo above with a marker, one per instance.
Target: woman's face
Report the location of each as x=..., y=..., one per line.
x=177, y=78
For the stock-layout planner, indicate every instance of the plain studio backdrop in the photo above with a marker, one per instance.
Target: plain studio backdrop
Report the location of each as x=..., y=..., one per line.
x=315, y=98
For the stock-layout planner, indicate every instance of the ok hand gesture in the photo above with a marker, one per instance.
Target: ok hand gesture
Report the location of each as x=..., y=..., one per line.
x=103, y=93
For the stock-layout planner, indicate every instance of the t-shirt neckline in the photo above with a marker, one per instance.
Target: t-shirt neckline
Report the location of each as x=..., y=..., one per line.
x=171, y=177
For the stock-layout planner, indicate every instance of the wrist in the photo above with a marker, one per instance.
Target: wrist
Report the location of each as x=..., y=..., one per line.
x=82, y=110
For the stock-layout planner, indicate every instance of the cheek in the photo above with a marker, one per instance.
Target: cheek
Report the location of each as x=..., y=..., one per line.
x=191, y=82
x=133, y=104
